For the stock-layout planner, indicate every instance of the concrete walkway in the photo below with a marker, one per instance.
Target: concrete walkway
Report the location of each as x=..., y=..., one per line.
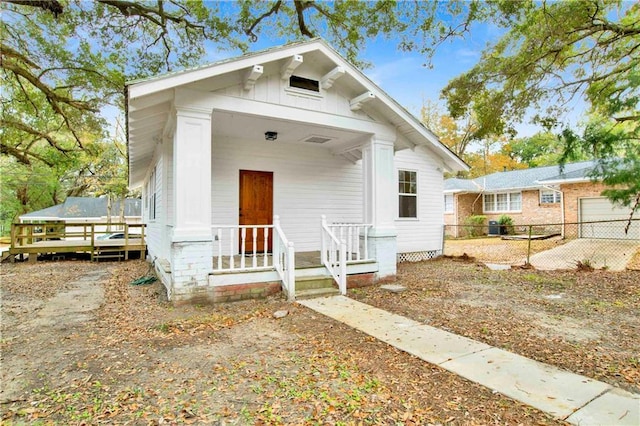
x=576, y=399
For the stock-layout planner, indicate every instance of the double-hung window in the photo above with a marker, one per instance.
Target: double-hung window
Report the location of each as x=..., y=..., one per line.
x=503, y=202
x=407, y=194
x=549, y=197
x=448, y=203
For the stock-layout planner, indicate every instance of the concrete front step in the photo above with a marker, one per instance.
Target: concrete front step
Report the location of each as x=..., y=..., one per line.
x=315, y=281
x=317, y=292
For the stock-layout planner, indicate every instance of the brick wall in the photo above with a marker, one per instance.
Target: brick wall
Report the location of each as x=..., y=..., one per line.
x=573, y=192
x=468, y=205
x=532, y=212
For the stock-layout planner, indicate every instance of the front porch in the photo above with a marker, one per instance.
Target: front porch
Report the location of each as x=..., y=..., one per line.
x=242, y=268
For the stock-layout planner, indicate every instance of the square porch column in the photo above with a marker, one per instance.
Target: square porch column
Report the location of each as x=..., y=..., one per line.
x=380, y=203
x=191, y=241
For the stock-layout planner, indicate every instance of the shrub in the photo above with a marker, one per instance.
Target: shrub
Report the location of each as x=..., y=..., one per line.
x=474, y=225
x=506, y=225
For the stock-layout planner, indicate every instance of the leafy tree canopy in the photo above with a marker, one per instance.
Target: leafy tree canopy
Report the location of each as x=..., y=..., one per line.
x=552, y=54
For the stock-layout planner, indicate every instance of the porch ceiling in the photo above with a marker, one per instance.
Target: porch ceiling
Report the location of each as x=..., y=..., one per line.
x=251, y=127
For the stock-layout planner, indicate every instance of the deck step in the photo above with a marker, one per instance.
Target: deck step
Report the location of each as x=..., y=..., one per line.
x=312, y=282
x=317, y=292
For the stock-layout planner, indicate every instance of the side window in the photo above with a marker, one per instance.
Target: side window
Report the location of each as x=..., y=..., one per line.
x=549, y=197
x=151, y=195
x=448, y=203
x=408, y=194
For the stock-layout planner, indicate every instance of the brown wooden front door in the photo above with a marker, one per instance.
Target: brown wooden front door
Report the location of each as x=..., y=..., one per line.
x=256, y=206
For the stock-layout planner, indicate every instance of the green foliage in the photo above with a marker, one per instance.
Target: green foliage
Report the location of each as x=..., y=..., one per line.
x=552, y=54
x=505, y=220
x=542, y=149
x=474, y=225
x=506, y=225
x=617, y=148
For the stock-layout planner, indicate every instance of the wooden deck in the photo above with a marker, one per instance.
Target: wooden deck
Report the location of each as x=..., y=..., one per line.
x=56, y=237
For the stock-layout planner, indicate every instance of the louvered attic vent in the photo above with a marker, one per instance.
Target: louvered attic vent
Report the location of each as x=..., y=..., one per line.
x=304, y=83
x=317, y=139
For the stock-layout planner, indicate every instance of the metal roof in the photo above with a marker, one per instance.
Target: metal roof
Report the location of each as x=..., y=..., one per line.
x=520, y=179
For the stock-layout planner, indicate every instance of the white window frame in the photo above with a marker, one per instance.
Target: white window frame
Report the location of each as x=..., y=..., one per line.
x=450, y=204
x=405, y=194
x=494, y=207
x=557, y=196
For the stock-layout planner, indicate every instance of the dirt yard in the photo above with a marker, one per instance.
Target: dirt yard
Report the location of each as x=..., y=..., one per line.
x=80, y=345
x=514, y=252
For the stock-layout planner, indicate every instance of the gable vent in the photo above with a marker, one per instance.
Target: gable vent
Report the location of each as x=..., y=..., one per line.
x=317, y=139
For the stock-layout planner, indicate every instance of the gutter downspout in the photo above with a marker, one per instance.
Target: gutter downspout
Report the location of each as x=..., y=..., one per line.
x=481, y=188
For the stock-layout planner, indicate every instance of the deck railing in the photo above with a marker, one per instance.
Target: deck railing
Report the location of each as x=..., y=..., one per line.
x=333, y=253
x=24, y=234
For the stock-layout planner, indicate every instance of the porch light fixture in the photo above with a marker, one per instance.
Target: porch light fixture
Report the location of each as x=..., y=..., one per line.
x=270, y=136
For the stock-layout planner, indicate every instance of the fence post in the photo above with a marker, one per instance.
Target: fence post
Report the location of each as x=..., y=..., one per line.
x=529, y=244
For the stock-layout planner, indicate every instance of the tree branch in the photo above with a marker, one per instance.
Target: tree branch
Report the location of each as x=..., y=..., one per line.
x=52, y=6
x=249, y=31
x=28, y=129
x=300, y=7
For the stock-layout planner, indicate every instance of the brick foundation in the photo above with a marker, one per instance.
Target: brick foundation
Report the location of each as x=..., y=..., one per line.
x=237, y=292
x=228, y=293
x=360, y=280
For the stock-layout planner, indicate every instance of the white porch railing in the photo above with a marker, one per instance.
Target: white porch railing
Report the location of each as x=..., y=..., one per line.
x=356, y=236
x=229, y=258
x=284, y=260
x=235, y=249
x=333, y=254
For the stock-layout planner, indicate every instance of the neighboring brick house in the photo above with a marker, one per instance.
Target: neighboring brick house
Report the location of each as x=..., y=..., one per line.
x=541, y=195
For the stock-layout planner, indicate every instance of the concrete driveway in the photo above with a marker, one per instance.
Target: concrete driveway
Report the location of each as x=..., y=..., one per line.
x=599, y=253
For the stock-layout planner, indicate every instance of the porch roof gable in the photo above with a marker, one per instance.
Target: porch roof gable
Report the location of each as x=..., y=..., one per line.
x=149, y=104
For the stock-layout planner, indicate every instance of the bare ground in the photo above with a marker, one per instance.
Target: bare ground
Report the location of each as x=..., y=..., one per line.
x=97, y=350
x=514, y=252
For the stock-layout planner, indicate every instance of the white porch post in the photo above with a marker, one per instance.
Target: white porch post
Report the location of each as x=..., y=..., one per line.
x=191, y=242
x=380, y=203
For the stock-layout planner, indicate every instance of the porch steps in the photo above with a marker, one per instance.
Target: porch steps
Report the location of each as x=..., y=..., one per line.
x=315, y=286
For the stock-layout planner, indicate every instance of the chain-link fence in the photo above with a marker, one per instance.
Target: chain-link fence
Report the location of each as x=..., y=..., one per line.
x=613, y=245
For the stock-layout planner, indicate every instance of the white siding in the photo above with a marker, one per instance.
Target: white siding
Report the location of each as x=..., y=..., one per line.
x=272, y=89
x=308, y=182
x=167, y=220
x=425, y=232
x=154, y=226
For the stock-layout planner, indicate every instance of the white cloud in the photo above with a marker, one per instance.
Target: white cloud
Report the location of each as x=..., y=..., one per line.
x=384, y=72
x=467, y=55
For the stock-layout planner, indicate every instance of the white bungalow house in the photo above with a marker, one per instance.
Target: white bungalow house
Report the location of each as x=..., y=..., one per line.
x=240, y=160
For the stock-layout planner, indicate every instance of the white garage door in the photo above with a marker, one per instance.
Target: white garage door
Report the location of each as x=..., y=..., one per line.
x=601, y=209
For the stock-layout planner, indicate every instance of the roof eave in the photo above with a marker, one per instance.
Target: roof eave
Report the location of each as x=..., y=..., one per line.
x=564, y=181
